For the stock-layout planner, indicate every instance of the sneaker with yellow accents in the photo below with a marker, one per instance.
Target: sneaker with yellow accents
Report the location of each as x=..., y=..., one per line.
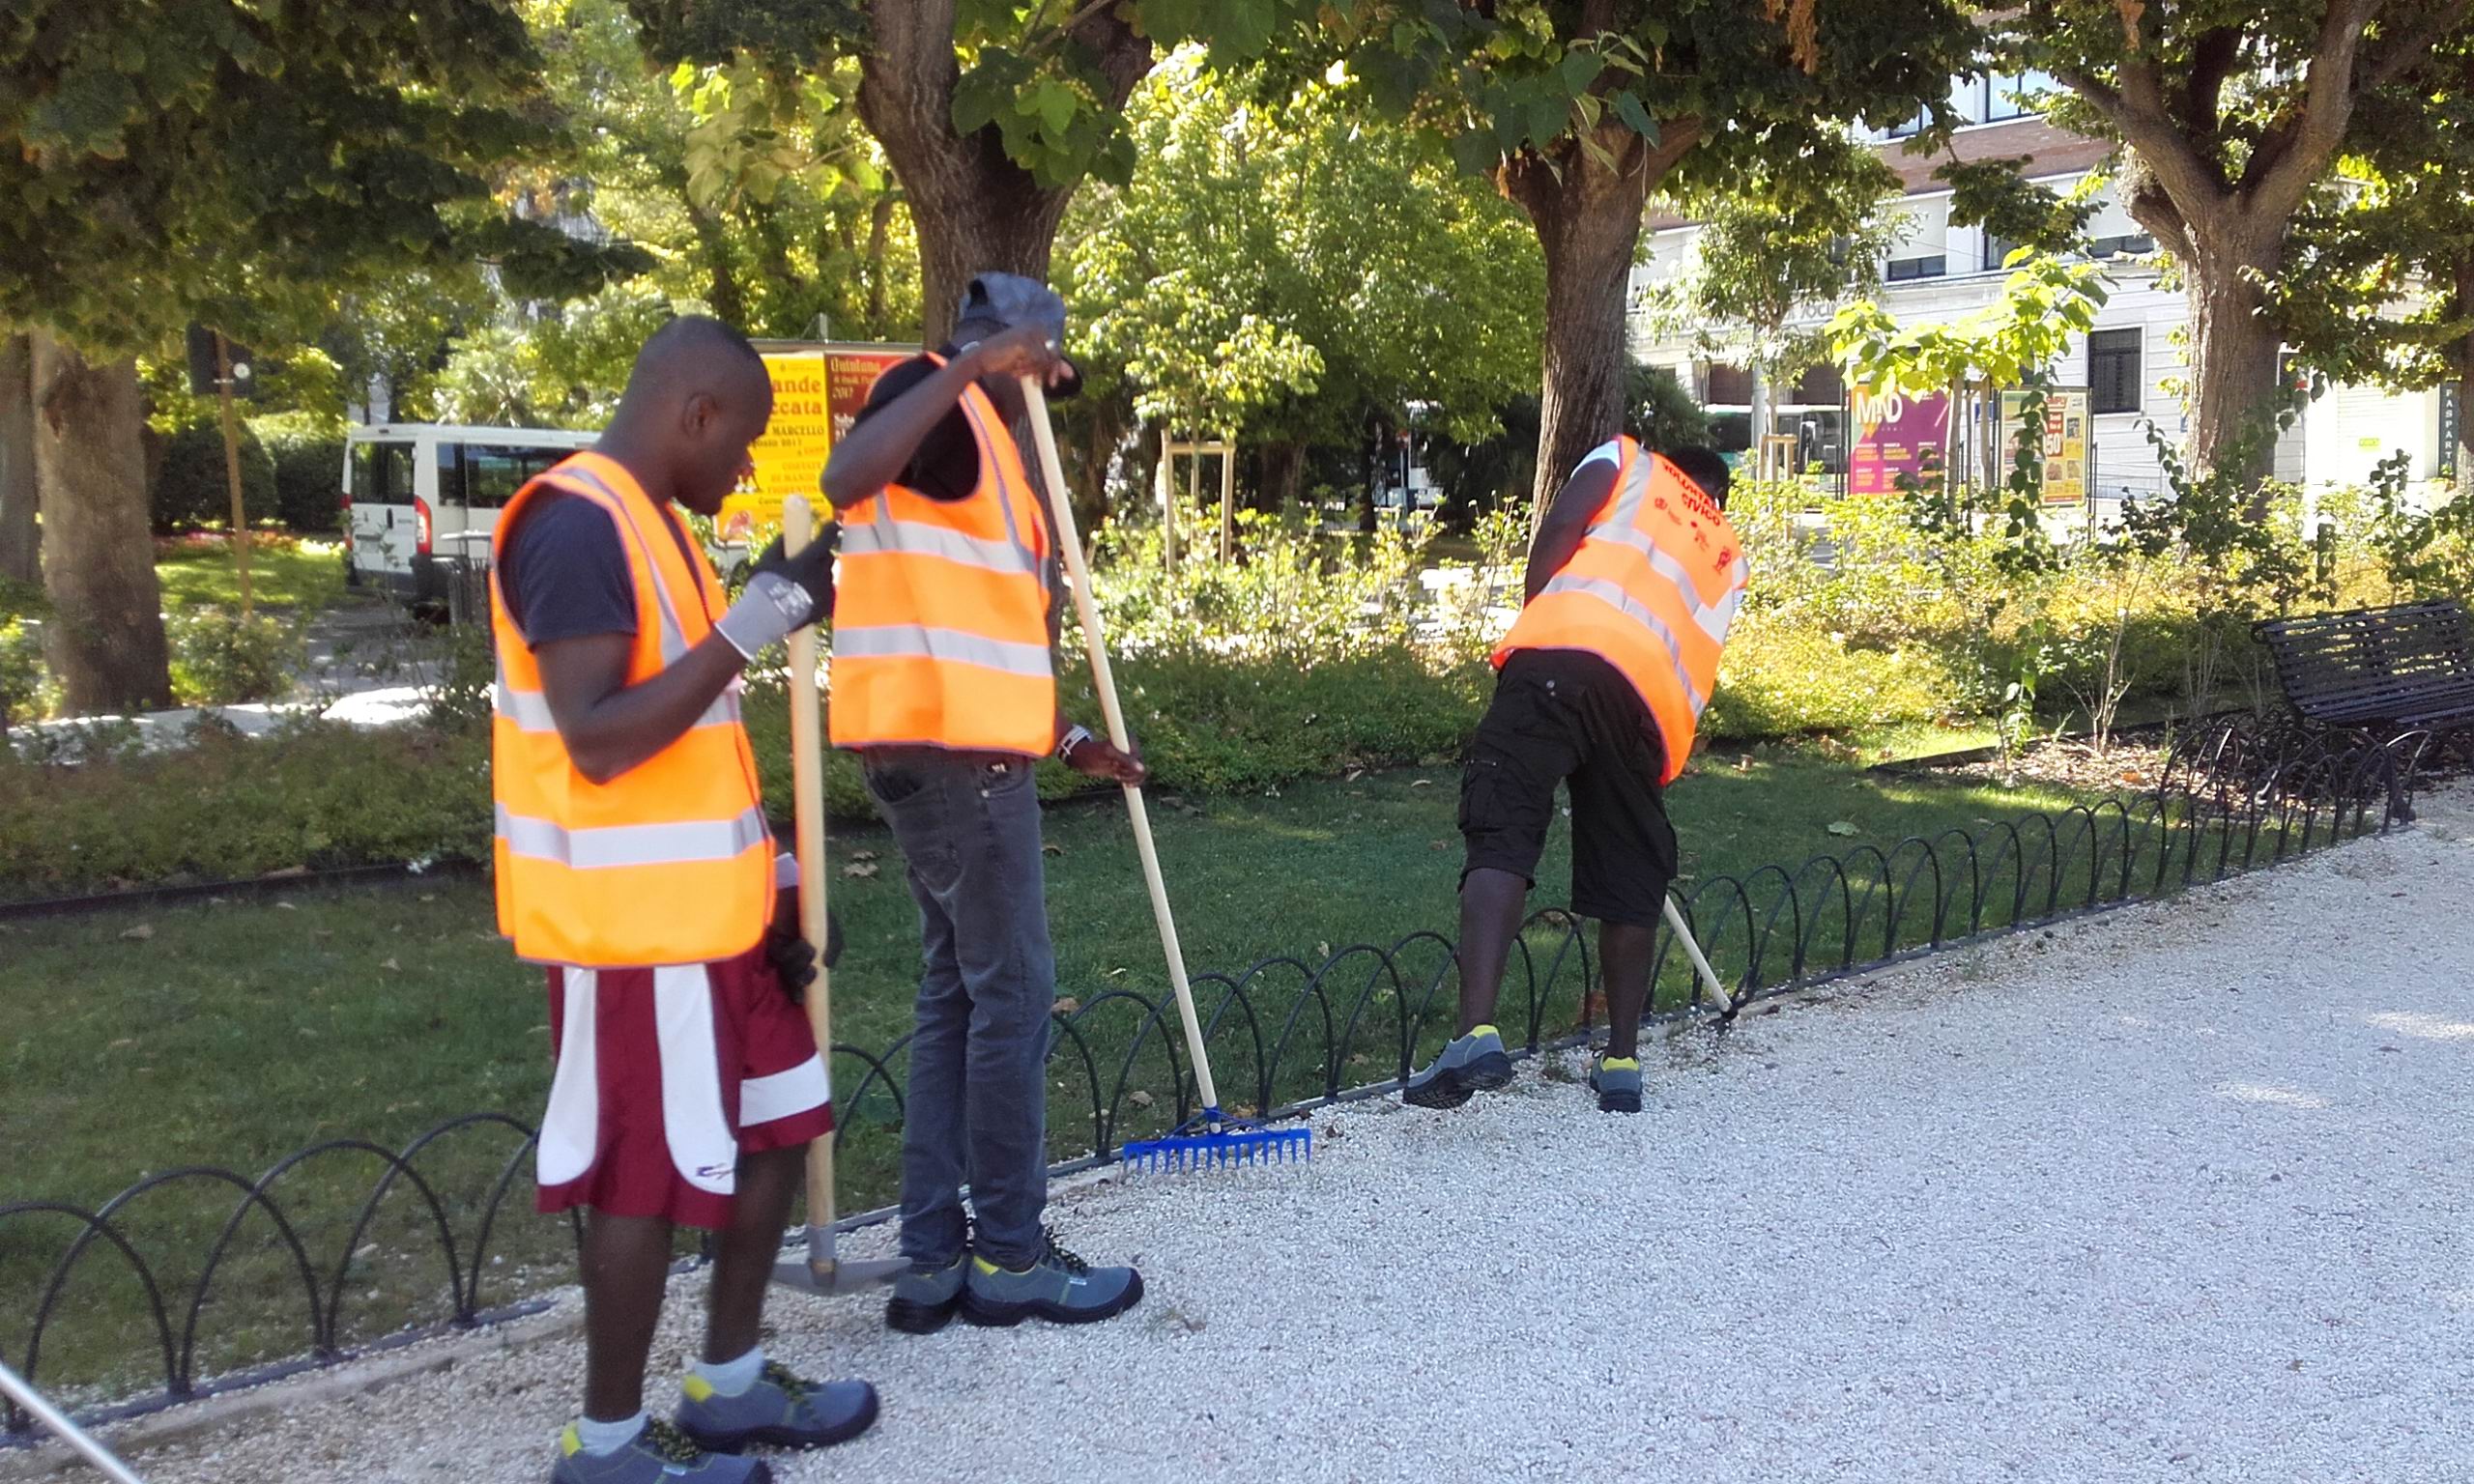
x=778, y=1409
x=1475, y=1063
x=1058, y=1287
x=1616, y=1081
x=659, y=1454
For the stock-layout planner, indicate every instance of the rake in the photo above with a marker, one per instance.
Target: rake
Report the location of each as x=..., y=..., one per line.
x=1209, y=1138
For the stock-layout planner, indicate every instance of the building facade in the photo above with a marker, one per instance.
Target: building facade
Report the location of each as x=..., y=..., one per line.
x=2132, y=364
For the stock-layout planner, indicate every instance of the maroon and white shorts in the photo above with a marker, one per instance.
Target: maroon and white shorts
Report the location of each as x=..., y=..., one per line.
x=665, y=1077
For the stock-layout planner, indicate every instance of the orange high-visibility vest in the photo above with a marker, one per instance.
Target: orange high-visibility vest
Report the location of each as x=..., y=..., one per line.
x=671, y=862
x=940, y=633
x=1652, y=591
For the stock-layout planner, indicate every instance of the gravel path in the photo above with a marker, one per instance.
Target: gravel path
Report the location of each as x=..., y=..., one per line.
x=2175, y=1195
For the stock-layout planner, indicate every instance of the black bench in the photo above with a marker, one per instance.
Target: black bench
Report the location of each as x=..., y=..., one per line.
x=2405, y=667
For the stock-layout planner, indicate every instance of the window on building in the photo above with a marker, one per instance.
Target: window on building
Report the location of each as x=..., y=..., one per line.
x=2130, y=244
x=1728, y=387
x=2113, y=371
x=1996, y=252
x=1906, y=270
x=1820, y=387
x=2013, y=95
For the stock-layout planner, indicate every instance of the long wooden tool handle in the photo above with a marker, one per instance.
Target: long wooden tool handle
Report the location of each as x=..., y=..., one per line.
x=807, y=792
x=1692, y=951
x=1035, y=397
x=18, y=1389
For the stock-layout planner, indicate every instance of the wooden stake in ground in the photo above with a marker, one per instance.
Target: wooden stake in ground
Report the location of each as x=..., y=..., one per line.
x=232, y=466
x=1227, y=500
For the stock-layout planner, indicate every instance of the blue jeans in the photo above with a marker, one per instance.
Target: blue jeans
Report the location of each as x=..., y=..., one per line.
x=976, y=1110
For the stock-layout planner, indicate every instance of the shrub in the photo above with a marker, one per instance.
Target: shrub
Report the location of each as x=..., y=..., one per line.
x=308, y=479
x=314, y=794
x=23, y=676
x=191, y=488
x=220, y=659
x=1291, y=591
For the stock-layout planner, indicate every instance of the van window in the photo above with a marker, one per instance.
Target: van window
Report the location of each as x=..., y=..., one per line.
x=492, y=473
x=382, y=473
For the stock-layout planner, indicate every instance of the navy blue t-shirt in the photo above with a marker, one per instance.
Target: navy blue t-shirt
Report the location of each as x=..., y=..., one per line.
x=565, y=573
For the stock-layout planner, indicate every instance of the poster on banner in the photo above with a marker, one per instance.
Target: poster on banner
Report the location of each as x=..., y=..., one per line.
x=818, y=388
x=787, y=460
x=850, y=370
x=1897, y=434
x=2065, y=443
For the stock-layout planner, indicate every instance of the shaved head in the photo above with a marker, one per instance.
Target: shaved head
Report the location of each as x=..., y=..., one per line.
x=698, y=397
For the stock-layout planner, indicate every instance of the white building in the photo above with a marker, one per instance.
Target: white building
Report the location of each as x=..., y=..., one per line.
x=2133, y=363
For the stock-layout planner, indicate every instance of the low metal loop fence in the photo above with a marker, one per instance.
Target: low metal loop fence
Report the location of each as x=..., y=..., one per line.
x=349, y=1247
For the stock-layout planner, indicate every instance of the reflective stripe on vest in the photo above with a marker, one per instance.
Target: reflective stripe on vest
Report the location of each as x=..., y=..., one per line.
x=1629, y=593
x=610, y=845
x=941, y=615
x=669, y=862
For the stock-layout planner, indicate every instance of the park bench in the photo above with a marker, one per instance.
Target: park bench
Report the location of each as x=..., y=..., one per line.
x=2408, y=667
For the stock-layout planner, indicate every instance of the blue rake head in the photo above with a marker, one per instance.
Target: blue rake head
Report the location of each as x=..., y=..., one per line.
x=1212, y=1138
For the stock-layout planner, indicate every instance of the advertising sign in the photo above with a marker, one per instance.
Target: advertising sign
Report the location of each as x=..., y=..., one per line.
x=2065, y=452
x=817, y=390
x=1897, y=434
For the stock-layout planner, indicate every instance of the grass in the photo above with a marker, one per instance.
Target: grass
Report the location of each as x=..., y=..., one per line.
x=232, y=1034
x=197, y=571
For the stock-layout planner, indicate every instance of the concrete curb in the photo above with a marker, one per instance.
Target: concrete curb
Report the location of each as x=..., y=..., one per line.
x=353, y=1378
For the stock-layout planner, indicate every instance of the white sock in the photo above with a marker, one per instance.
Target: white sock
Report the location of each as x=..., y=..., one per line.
x=603, y=1439
x=733, y=1378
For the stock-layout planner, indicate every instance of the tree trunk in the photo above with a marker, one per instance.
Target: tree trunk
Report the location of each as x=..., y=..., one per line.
x=2234, y=389
x=20, y=559
x=713, y=246
x=1760, y=418
x=1588, y=219
x=106, y=637
x=975, y=211
x=2465, y=382
x=880, y=224
x=1283, y=476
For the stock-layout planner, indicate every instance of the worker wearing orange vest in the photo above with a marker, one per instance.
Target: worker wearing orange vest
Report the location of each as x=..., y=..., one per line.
x=945, y=623
x=634, y=862
x=1633, y=581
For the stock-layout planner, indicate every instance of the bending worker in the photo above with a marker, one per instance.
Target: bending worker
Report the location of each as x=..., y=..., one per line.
x=633, y=860
x=943, y=629
x=1632, y=582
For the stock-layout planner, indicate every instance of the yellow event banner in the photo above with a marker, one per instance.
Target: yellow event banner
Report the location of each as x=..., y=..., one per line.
x=795, y=446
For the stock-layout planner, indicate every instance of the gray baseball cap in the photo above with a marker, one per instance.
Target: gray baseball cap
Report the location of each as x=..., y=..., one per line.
x=1011, y=299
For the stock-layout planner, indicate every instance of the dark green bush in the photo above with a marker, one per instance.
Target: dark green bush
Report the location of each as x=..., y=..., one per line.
x=308, y=482
x=313, y=795
x=191, y=488
x=219, y=659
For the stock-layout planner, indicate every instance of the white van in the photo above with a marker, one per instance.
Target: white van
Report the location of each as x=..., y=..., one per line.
x=422, y=499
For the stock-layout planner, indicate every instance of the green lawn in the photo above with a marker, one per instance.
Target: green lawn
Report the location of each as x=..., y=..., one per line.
x=231, y=1034
x=197, y=571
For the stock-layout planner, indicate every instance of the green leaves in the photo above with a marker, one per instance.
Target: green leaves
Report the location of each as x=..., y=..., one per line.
x=1635, y=117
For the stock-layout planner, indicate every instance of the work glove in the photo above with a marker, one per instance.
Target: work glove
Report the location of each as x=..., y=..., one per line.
x=791, y=956
x=783, y=593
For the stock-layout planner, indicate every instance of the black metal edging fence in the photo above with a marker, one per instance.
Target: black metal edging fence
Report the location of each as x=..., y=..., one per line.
x=2226, y=806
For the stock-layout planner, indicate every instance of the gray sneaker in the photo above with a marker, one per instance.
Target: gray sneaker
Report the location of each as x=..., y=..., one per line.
x=1060, y=1288
x=925, y=1296
x=1616, y=1081
x=661, y=1454
x=781, y=1409
x=1475, y=1063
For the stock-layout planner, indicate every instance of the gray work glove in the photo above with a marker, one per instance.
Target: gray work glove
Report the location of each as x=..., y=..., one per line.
x=783, y=593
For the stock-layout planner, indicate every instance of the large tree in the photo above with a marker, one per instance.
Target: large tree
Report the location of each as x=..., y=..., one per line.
x=991, y=113
x=194, y=160
x=2232, y=111
x=2379, y=286
x=1580, y=109
x=1280, y=269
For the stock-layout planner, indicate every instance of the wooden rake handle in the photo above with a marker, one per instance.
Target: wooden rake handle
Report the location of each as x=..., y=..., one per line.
x=1078, y=573
x=807, y=792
